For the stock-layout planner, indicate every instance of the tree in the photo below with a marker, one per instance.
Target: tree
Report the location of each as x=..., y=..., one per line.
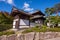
x=49, y=11
x=57, y=8
x=5, y=18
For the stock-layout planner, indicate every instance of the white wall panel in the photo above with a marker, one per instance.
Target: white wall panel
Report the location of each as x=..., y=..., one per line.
x=24, y=22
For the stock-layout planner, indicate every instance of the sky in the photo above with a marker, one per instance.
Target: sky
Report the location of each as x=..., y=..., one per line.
x=27, y=5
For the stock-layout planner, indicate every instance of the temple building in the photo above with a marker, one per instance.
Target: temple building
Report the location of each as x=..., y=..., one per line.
x=38, y=17
x=24, y=19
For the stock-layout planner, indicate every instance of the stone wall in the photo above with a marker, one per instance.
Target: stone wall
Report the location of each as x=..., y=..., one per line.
x=33, y=36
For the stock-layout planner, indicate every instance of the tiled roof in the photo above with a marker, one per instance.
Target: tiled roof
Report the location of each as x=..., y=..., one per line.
x=20, y=11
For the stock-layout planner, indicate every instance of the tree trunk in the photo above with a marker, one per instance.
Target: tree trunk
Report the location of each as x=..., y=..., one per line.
x=57, y=16
x=49, y=20
x=53, y=25
x=49, y=24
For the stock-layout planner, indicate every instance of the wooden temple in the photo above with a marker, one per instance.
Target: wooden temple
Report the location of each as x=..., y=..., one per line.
x=38, y=17
x=23, y=19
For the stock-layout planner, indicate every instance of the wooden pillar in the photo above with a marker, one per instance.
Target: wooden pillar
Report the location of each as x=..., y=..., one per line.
x=16, y=22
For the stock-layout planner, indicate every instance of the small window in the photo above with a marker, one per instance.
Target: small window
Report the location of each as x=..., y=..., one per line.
x=36, y=22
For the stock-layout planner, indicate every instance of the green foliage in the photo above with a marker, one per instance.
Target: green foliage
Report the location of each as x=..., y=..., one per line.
x=27, y=31
x=37, y=26
x=55, y=20
x=43, y=29
x=5, y=19
x=49, y=11
x=35, y=29
x=54, y=29
x=1, y=33
x=54, y=10
x=7, y=33
x=4, y=27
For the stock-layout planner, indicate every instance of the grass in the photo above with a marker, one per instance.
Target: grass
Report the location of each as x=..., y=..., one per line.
x=54, y=29
x=7, y=33
x=42, y=29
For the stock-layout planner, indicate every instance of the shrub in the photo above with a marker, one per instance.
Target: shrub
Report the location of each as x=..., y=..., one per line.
x=37, y=26
x=4, y=27
x=35, y=29
x=7, y=33
x=1, y=33
x=54, y=29
x=43, y=29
